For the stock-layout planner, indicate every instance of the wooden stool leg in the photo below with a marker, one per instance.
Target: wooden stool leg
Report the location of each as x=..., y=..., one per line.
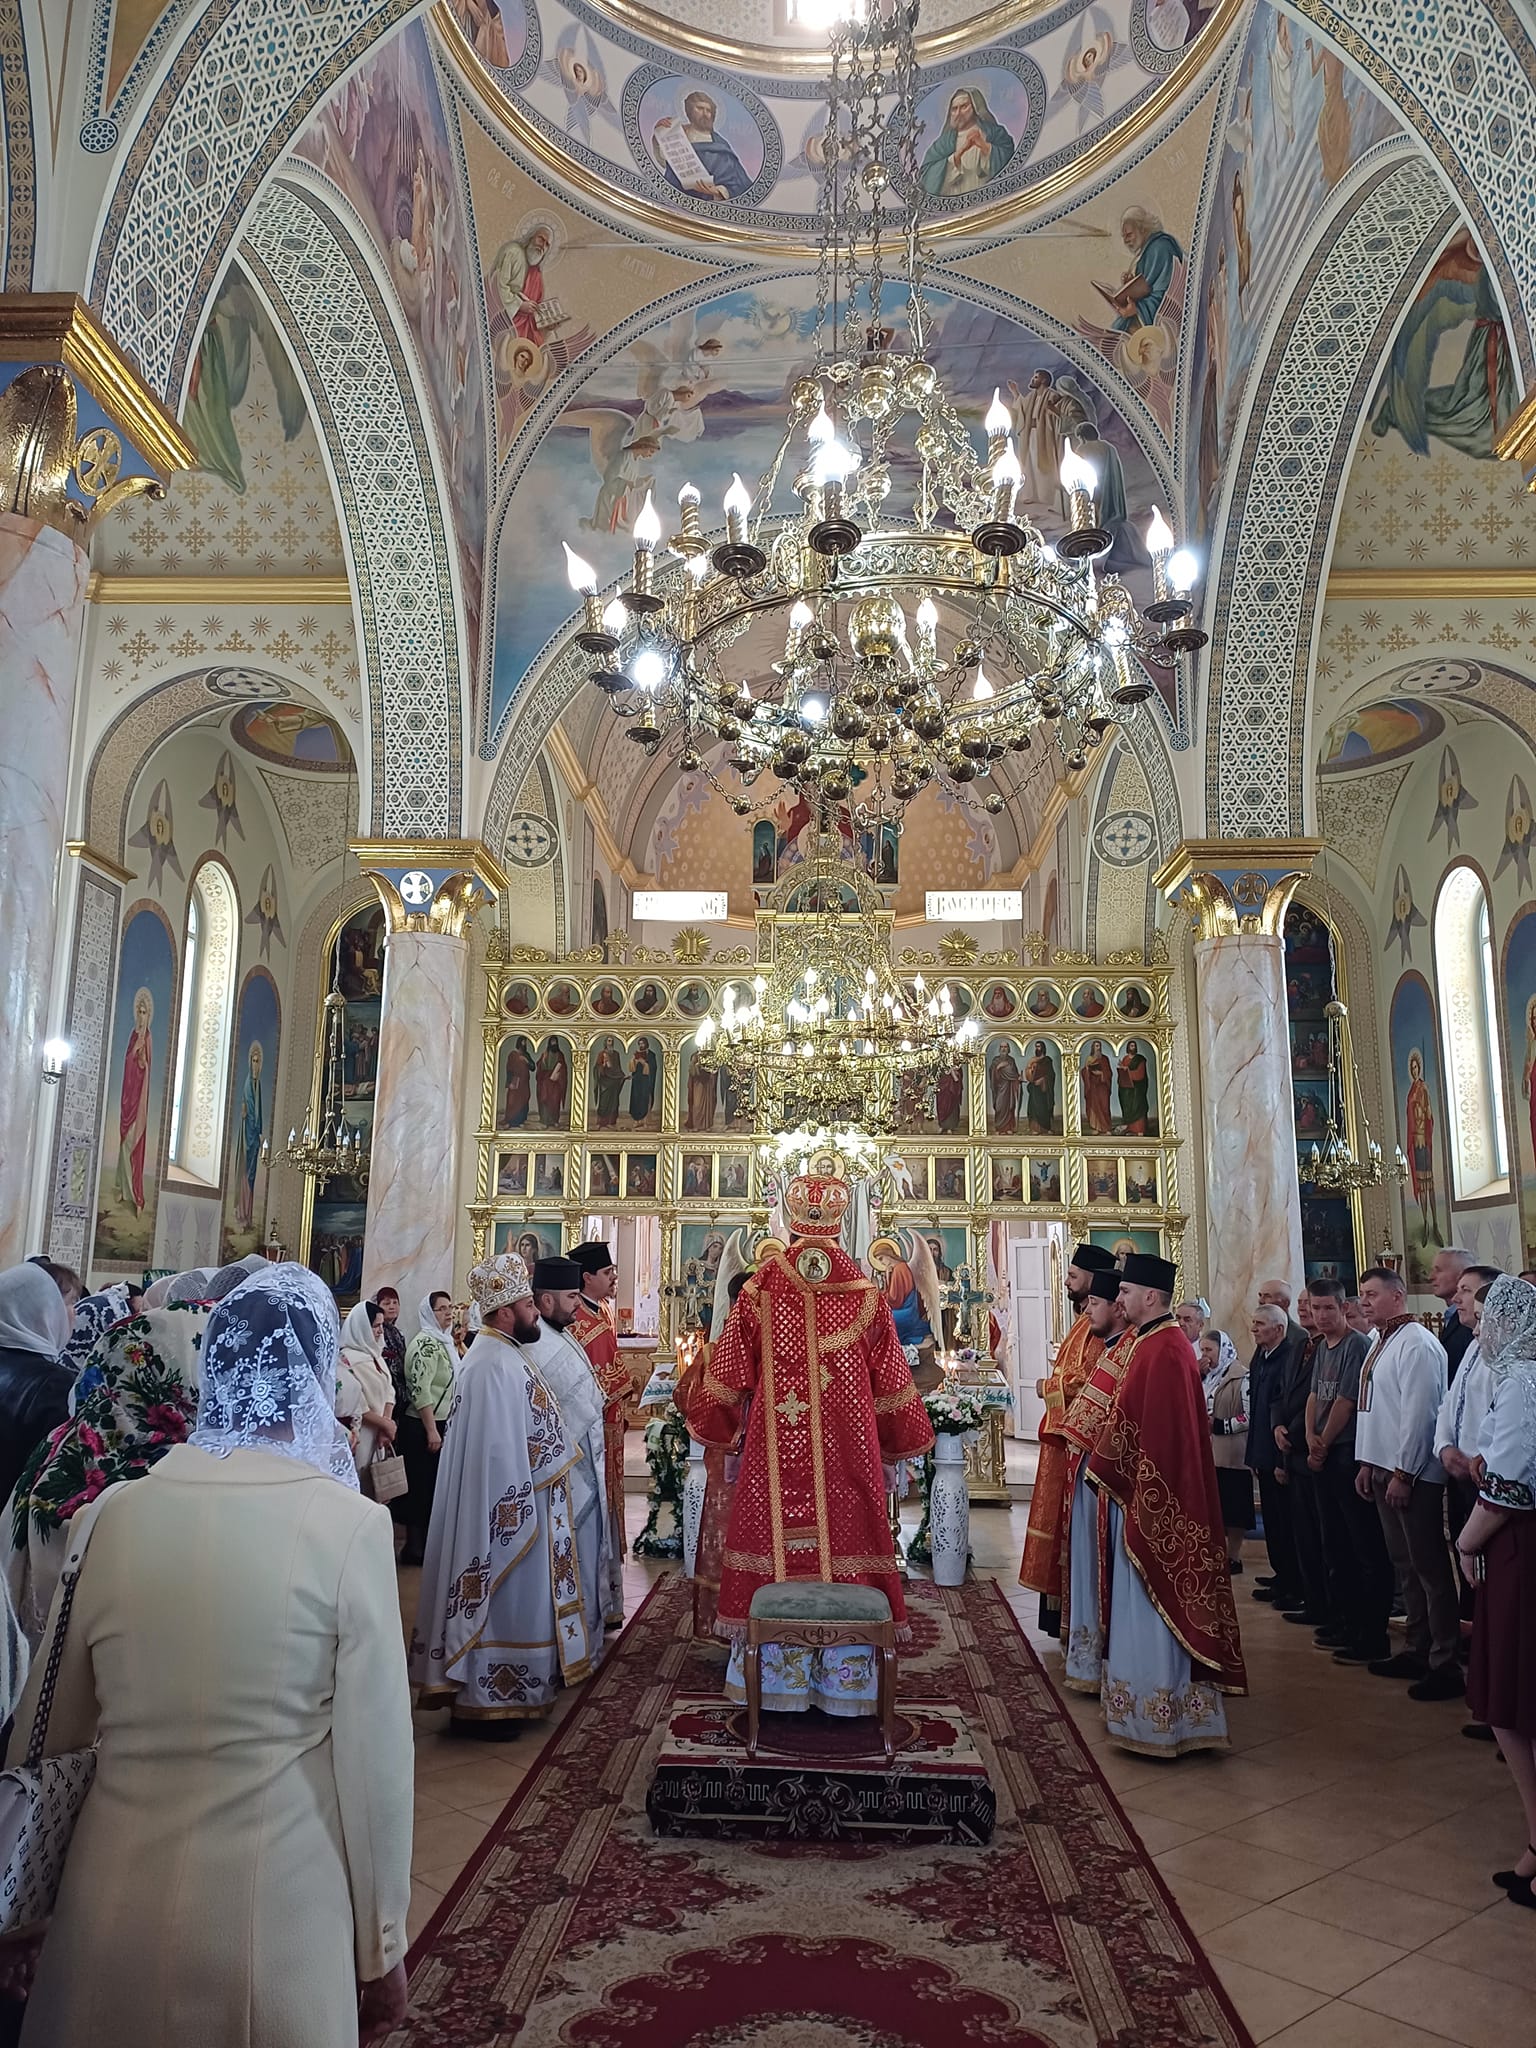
x=752, y=1678
x=887, y=1700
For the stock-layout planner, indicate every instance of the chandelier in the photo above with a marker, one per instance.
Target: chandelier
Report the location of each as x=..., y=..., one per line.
x=1333, y=1167
x=877, y=615
x=829, y=1036
x=329, y=1147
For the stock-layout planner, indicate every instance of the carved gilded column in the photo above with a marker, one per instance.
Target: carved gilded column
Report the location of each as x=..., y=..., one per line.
x=1237, y=893
x=55, y=485
x=430, y=890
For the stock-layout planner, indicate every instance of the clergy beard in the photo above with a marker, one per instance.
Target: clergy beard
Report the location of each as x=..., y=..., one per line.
x=553, y=1321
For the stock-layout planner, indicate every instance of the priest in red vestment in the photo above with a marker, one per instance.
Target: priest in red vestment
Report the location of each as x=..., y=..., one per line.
x=1171, y=1638
x=1073, y=1362
x=812, y=1344
x=594, y=1332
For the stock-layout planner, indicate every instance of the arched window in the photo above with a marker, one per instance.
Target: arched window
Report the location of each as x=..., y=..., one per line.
x=1469, y=1035
x=208, y=963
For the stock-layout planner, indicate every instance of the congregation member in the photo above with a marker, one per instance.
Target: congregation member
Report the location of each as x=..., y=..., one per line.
x=515, y=1500
x=1445, y=1272
x=1075, y=1358
x=35, y=1323
x=1358, y=1566
x=240, y=1870
x=1273, y=1353
x=722, y=1471
x=594, y=1331
x=811, y=1497
x=1082, y=1632
x=365, y=1393
x=94, y=1316
x=1192, y=1318
x=1497, y=1547
x=1225, y=1386
x=1280, y=1294
x=1356, y=1317
x=542, y=1333
x=1401, y=1385
x=1289, y=1415
x=1171, y=1644
x=1459, y=1425
x=430, y=1371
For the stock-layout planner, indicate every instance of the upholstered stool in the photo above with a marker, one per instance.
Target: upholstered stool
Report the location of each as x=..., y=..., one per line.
x=821, y=1614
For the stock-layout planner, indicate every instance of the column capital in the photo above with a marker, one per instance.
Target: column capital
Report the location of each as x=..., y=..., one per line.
x=430, y=885
x=1232, y=886
x=49, y=471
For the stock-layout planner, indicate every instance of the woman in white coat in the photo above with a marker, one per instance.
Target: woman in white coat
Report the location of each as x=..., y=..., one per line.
x=365, y=1393
x=240, y=1872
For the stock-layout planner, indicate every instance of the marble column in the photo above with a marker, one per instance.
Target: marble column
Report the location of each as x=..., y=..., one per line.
x=429, y=891
x=1237, y=893
x=42, y=610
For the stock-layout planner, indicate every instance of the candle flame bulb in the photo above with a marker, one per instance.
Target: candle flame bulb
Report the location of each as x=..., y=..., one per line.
x=982, y=688
x=998, y=419
x=1077, y=474
x=738, y=503
x=1159, y=534
x=582, y=574
x=647, y=529
x=1183, y=571
x=928, y=617
x=1006, y=469
x=615, y=617
x=688, y=495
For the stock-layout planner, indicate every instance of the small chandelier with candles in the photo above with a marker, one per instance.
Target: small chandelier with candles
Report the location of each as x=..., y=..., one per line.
x=1334, y=1168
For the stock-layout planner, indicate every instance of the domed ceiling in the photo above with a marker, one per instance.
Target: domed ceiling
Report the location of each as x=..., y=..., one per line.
x=708, y=120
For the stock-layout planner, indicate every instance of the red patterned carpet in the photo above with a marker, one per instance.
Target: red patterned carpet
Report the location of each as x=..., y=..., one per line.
x=576, y=1927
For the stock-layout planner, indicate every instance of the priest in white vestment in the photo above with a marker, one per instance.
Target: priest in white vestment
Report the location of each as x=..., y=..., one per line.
x=502, y=1622
x=541, y=1335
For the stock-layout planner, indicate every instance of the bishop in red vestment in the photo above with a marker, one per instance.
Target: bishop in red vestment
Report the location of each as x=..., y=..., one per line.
x=1071, y=1366
x=812, y=1343
x=593, y=1330
x=1171, y=1639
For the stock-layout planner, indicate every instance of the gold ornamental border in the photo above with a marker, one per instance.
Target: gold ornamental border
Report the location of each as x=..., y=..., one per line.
x=1083, y=169
x=59, y=327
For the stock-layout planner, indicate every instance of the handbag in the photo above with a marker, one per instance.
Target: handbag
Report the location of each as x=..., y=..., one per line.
x=40, y=1799
x=386, y=1474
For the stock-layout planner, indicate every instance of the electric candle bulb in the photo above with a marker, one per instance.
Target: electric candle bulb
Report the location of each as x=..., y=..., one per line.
x=981, y=688
x=999, y=419
x=1183, y=571
x=928, y=618
x=820, y=430
x=1077, y=473
x=615, y=617
x=1159, y=534
x=738, y=503
x=688, y=495
x=1006, y=469
x=647, y=529
x=582, y=574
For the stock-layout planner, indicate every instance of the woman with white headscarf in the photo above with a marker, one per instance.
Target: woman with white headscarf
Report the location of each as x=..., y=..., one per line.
x=240, y=1871
x=365, y=1392
x=1226, y=1402
x=1497, y=1547
x=35, y=1323
x=135, y=1397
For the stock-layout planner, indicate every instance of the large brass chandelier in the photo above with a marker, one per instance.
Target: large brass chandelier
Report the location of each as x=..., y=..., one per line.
x=830, y=1036
x=1335, y=1167
x=877, y=616
x=330, y=1146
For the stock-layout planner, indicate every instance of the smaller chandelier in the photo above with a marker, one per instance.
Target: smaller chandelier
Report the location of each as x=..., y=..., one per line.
x=829, y=1036
x=329, y=1147
x=1333, y=1167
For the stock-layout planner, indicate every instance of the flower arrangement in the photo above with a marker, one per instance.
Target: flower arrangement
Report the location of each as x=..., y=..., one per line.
x=953, y=1410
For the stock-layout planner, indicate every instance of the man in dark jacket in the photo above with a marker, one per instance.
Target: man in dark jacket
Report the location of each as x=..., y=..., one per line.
x=35, y=1322
x=1290, y=1423
x=1269, y=1372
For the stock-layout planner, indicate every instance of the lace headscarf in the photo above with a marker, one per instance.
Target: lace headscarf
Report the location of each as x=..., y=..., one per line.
x=94, y=1316
x=34, y=1316
x=269, y=1373
x=1508, y=1333
x=1226, y=1358
x=228, y=1278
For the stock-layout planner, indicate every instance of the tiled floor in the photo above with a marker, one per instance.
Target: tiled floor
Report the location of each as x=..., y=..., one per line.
x=1335, y=1866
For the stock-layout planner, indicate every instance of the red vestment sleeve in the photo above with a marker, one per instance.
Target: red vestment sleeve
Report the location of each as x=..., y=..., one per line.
x=714, y=1408
x=1154, y=1458
x=901, y=1420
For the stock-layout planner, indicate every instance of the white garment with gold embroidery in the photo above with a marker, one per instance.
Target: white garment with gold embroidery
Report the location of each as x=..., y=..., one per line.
x=567, y=1371
x=502, y=1621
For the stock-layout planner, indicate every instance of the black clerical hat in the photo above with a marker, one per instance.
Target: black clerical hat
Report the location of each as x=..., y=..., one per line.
x=1145, y=1269
x=1092, y=1258
x=592, y=1257
x=1106, y=1283
x=551, y=1275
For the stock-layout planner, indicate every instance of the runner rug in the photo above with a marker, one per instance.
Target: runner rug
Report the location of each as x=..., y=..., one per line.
x=576, y=1926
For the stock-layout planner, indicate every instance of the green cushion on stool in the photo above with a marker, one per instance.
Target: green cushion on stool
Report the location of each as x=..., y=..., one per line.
x=819, y=1600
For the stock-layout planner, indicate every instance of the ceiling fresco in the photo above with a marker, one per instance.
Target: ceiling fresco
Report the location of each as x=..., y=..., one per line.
x=1295, y=123
x=641, y=125
x=700, y=396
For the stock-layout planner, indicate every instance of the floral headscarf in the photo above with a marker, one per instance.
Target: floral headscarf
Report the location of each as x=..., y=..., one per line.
x=1226, y=1358
x=94, y=1316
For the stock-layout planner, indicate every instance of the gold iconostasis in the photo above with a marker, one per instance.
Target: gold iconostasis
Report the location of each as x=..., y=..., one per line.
x=594, y=1106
